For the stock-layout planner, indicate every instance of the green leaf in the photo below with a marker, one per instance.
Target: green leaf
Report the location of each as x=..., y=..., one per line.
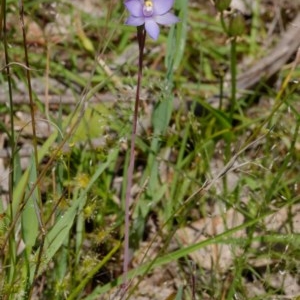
x=180, y=31
x=162, y=114
x=29, y=218
x=179, y=293
x=21, y=187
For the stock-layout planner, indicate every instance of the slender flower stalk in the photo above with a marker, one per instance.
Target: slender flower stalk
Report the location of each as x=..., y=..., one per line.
x=146, y=15
x=141, y=35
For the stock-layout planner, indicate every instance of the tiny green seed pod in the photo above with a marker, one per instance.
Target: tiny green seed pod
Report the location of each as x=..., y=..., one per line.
x=236, y=25
x=222, y=5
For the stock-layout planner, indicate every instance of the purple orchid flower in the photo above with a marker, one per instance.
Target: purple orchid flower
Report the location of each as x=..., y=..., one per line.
x=151, y=13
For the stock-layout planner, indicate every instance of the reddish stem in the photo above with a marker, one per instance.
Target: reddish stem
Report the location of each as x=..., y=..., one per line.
x=141, y=36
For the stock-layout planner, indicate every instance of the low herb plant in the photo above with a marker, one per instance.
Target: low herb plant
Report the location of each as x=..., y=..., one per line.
x=119, y=163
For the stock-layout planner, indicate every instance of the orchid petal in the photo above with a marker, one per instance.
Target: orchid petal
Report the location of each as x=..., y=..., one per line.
x=135, y=21
x=162, y=6
x=166, y=19
x=152, y=28
x=135, y=8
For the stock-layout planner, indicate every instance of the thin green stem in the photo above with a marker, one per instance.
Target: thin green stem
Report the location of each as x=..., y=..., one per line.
x=221, y=91
x=233, y=63
x=223, y=23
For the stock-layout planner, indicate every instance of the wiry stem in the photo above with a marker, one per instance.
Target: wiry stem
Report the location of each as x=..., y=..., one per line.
x=28, y=75
x=233, y=77
x=141, y=35
x=3, y=36
x=11, y=136
x=34, y=141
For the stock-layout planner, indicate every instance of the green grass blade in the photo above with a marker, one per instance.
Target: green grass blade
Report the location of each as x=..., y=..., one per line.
x=29, y=218
x=91, y=274
x=181, y=31
x=21, y=187
x=56, y=236
x=174, y=256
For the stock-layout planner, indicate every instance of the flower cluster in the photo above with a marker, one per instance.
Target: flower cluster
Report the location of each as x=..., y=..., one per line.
x=151, y=13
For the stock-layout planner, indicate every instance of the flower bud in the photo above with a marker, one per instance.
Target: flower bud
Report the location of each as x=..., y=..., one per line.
x=236, y=24
x=222, y=4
